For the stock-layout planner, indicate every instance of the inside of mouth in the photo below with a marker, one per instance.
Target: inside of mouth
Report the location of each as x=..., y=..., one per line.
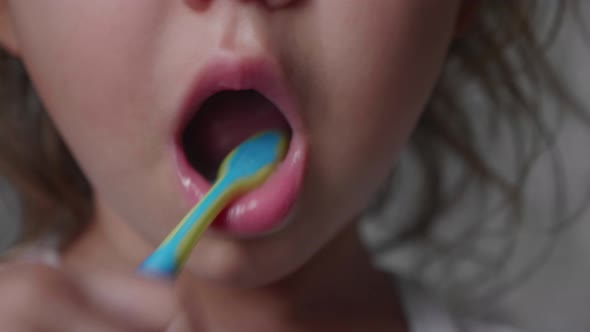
x=225, y=120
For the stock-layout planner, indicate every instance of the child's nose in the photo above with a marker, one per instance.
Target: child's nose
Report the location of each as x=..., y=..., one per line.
x=270, y=3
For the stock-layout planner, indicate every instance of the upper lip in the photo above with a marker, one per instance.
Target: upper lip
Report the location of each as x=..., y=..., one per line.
x=227, y=72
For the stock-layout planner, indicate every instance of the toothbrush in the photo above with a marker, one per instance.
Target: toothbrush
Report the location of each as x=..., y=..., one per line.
x=245, y=168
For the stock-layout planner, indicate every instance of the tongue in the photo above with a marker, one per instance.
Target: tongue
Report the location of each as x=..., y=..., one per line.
x=224, y=121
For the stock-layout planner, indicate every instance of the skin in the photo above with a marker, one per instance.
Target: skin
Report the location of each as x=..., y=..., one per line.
x=112, y=74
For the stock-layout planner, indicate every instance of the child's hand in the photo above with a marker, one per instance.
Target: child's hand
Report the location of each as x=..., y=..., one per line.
x=38, y=298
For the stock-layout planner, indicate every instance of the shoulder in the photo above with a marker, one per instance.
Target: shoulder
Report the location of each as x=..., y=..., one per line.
x=427, y=314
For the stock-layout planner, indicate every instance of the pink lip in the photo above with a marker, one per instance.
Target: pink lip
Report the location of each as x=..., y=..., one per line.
x=266, y=208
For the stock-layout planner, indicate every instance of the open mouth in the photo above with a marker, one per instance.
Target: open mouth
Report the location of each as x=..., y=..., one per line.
x=225, y=120
x=233, y=99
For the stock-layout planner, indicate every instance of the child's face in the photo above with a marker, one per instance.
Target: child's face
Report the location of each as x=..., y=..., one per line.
x=352, y=78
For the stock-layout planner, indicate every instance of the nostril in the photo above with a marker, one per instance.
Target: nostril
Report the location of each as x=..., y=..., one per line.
x=198, y=5
x=278, y=3
x=274, y=4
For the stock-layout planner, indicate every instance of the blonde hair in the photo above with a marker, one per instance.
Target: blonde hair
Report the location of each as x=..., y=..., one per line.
x=500, y=57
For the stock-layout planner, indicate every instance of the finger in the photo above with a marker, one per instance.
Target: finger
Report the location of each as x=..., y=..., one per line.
x=59, y=314
x=88, y=321
x=181, y=323
x=191, y=317
x=189, y=320
x=74, y=321
x=36, y=297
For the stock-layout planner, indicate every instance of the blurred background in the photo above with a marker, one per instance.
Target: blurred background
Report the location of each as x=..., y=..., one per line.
x=556, y=297
x=534, y=272
x=545, y=283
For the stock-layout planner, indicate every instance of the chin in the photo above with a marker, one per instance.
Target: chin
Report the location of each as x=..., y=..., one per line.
x=248, y=263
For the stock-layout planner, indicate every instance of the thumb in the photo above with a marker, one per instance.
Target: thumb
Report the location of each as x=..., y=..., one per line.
x=138, y=302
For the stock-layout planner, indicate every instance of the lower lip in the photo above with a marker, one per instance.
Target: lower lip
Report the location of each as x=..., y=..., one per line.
x=260, y=211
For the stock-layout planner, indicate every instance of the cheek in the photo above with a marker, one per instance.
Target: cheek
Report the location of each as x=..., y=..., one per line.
x=372, y=75
x=87, y=60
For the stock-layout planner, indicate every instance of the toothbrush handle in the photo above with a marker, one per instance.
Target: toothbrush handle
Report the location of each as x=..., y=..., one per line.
x=174, y=251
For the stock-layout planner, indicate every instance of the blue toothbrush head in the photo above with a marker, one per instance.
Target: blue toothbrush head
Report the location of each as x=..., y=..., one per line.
x=259, y=154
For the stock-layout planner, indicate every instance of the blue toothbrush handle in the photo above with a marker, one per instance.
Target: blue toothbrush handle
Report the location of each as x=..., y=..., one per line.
x=246, y=167
x=168, y=259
